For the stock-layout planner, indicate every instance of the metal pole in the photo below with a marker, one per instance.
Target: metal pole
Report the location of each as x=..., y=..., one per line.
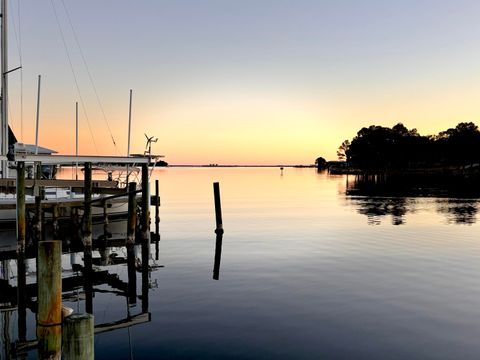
x=38, y=115
x=76, y=139
x=129, y=122
x=4, y=107
x=129, y=127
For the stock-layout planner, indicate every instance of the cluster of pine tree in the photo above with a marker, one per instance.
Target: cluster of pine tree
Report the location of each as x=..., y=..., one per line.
x=378, y=147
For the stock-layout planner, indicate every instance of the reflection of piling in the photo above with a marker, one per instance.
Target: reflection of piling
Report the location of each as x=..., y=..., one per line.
x=218, y=256
x=132, y=274
x=22, y=296
x=145, y=271
x=78, y=331
x=49, y=315
x=218, y=208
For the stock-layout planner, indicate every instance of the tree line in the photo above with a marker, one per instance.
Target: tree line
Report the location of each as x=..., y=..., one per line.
x=377, y=147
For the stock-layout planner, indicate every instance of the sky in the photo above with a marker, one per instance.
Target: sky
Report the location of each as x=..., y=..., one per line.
x=239, y=81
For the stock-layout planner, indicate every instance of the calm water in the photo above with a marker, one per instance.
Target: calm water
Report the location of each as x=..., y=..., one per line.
x=307, y=272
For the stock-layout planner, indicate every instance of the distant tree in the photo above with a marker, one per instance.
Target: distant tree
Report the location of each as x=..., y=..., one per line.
x=321, y=163
x=342, y=151
x=378, y=147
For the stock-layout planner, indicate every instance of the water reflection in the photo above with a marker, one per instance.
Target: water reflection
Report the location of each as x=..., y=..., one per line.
x=377, y=197
x=218, y=255
x=459, y=211
x=84, y=275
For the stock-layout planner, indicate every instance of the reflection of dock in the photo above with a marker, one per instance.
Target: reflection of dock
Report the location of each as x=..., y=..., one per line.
x=80, y=283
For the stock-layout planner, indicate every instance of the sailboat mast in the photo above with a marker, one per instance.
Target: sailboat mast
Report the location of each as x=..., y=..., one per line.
x=4, y=93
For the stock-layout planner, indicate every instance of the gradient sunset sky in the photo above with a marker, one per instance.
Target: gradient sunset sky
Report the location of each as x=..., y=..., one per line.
x=242, y=81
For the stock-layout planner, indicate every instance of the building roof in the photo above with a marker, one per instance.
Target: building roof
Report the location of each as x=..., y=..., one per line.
x=41, y=150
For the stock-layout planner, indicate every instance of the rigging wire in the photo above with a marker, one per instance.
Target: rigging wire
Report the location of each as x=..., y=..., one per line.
x=74, y=75
x=89, y=74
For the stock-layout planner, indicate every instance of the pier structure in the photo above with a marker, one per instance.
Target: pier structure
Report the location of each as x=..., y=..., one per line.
x=96, y=193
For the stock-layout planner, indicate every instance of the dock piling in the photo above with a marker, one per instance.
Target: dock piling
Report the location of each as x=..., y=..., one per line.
x=145, y=220
x=87, y=234
x=49, y=315
x=39, y=192
x=218, y=208
x=78, y=332
x=132, y=213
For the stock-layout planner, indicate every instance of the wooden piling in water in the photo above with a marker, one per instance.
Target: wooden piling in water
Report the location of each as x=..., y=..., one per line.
x=38, y=203
x=132, y=213
x=87, y=238
x=49, y=314
x=78, y=332
x=21, y=215
x=145, y=219
x=218, y=208
x=21, y=235
x=55, y=224
x=87, y=233
x=157, y=210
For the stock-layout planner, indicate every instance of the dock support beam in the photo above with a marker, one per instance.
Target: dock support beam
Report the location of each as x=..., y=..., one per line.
x=87, y=214
x=87, y=239
x=21, y=218
x=131, y=229
x=145, y=204
x=21, y=235
x=49, y=316
x=38, y=203
x=132, y=213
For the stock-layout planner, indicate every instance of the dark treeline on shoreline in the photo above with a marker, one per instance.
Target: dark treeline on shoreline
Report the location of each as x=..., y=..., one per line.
x=377, y=147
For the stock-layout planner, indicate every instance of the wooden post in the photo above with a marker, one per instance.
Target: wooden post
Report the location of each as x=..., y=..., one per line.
x=87, y=233
x=145, y=224
x=157, y=219
x=218, y=208
x=157, y=210
x=105, y=216
x=38, y=203
x=132, y=213
x=55, y=225
x=87, y=239
x=49, y=314
x=78, y=332
x=21, y=218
